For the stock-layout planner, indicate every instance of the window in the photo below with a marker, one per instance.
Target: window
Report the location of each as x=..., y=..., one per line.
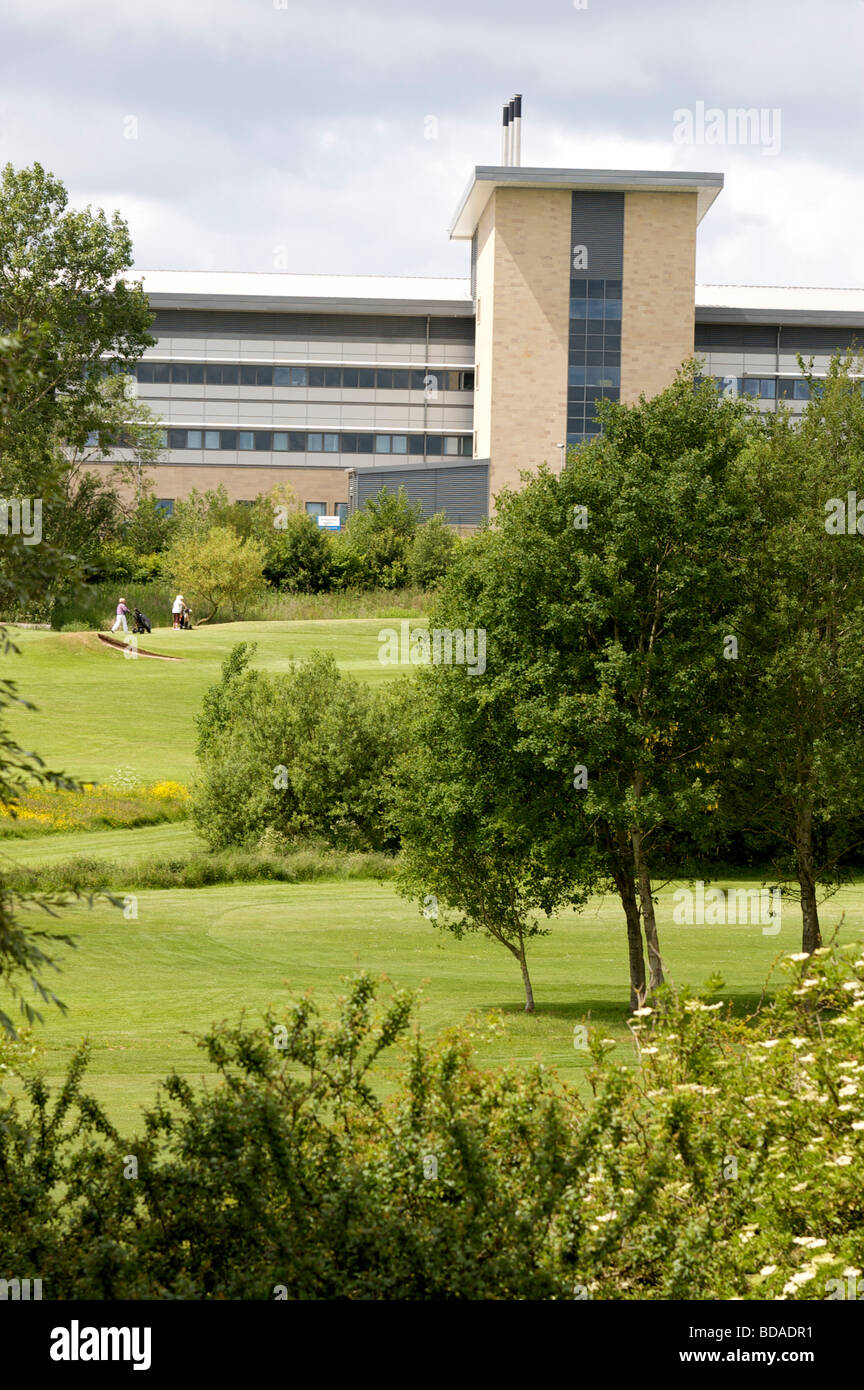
x=467, y=381
x=365, y=443
x=365, y=378
x=297, y=441
x=211, y=439
x=144, y=371
x=314, y=443
x=299, y=376
x=349, y=377
x=331, y=443
x=316, y=376
x=263, y=376
x=466, y=446
x=316, y=508
x=179, y=374
x=248, y=376
x=161, y=372
x=401, y=381
x=418, y=380
x=230, y=376
x=382, y=443
x=280, y=440
x=213, y=375
x=342, y=512
x=433, y=444
x=451, y=444
x=399, y=444
x=245, y=439
x=165, y=504
x=415, y=444
x=176, y=439
x=196, y=374
x=194, y=439
x=349, y=443
x=228, y=439
x=384, y=380
x=263, y=440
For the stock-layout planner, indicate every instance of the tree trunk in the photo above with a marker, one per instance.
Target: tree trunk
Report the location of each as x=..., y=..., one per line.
x=526, y=980
x=623, y=875
x=811, y=937
x=649, y=922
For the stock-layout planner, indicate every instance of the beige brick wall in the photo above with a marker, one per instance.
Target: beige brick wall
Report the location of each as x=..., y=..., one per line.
x=245, y=482
x=523, y=268
x=659, y=274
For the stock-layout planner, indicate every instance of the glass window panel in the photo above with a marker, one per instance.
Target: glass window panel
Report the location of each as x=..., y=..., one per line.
x=213, y=375
x=263, y=376
x=314, y=443
x=467, y=381
x=578, y=309
x=331, y=443
x=349, y=378
x=576, y=376
x=451, y=444
x=211, y=439
x=244, y=439
x=767, y=388
x=342, y=511
x=230, y=376
x=382, y=443
x=332, y=376
x=162, y=372
x=280, y=440
x=165, y=504
x=144, y=371
x=433, y=444
x=316, y=508
x=349, y=443
x=176, y=439
x=399, y=444
x=401, y=381
x=316, y=376
x=366, y=378
x=263, y=440
x=299, y=376
x=248, y=376
x=228, y=439
x=384, y=379
x=297, y=441
x=415, y=444
x=613, y=289
x=613, y=309
x=281, y=376
x=578, y=289
x=194, y=439
x=466, y=446
x=604, y=376
x=365, y=443
x=196, y=374
x=418, y=380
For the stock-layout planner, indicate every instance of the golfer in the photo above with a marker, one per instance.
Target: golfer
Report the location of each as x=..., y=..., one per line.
x=120, y=620
x=177, y=609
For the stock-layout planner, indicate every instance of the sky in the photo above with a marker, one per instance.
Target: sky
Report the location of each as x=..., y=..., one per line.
x=330, y=137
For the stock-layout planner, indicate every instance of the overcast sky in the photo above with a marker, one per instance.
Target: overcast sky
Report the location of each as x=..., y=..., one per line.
x=275, y=134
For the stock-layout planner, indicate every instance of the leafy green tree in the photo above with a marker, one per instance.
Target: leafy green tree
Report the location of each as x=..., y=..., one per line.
x=217, y=569
x=374, y=549
x=431, y=552
x=299, y=555
x=306, y=754
x=66, y=271
x=793, y=749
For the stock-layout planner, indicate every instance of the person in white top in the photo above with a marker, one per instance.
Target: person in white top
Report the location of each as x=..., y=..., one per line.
x=177, y=609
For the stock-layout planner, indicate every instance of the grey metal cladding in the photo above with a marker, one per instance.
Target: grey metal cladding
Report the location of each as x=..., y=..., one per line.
x=763, y=338
x=363, y=328
x=598, y=223
x=460, y=492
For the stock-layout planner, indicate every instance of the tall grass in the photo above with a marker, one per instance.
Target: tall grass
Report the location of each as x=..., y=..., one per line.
x=86, y=874
x=94, y=606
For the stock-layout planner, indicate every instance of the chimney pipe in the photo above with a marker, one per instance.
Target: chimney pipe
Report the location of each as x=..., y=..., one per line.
x=516, y=118
x=505, y=136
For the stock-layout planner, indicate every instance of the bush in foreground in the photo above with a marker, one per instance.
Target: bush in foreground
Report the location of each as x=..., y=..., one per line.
x=724, y=1165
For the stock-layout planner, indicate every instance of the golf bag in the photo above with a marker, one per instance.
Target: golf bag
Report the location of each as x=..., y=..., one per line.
x=141, y=623
x=186, y=618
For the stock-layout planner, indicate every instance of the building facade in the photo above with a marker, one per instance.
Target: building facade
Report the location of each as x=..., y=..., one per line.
x=581, y=287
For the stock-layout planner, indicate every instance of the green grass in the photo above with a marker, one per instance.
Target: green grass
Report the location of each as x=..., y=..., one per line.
x=142, y=989
x=100, y=712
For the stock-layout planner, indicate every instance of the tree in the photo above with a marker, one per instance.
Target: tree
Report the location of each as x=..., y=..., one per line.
x=218, y=569
x=794, y=744
x=64, y=270
x=299, y=555
x=373, y=552
x=431, y=552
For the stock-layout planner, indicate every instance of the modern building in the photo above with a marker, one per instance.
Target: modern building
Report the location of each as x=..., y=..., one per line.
x=581, y=286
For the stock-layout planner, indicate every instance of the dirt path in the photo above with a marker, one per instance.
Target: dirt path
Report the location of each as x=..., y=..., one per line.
x=139, y=651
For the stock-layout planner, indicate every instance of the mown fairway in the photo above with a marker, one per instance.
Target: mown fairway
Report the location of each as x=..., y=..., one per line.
x=142, y=989
x=100, y=710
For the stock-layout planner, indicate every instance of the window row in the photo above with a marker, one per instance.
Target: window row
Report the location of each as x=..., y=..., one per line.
x=766, y=388
x=319, y=442
x=594, y=376
x=426, y=379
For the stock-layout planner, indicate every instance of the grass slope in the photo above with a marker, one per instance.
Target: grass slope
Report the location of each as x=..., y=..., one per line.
x=100, y=711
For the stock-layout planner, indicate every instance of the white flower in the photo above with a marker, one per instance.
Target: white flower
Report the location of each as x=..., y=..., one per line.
x=842, y=1161
x=766, y=1270
x=848, y=1090
x=858, y=1124
x=800, y=955
x=642, y=1013
x=649, y=1051
x=770, y=1042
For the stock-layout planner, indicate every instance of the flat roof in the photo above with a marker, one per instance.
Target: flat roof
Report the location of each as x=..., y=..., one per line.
x=269, y=292
x=803, y=305
x=486, y=178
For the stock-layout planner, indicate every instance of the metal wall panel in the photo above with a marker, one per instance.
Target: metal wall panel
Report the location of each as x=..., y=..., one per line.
x=460, y=492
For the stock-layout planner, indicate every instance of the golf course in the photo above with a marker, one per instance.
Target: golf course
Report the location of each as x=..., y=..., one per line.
x=142, y=983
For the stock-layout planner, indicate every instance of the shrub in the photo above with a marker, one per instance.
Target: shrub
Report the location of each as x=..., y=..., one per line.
x=431, y=552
